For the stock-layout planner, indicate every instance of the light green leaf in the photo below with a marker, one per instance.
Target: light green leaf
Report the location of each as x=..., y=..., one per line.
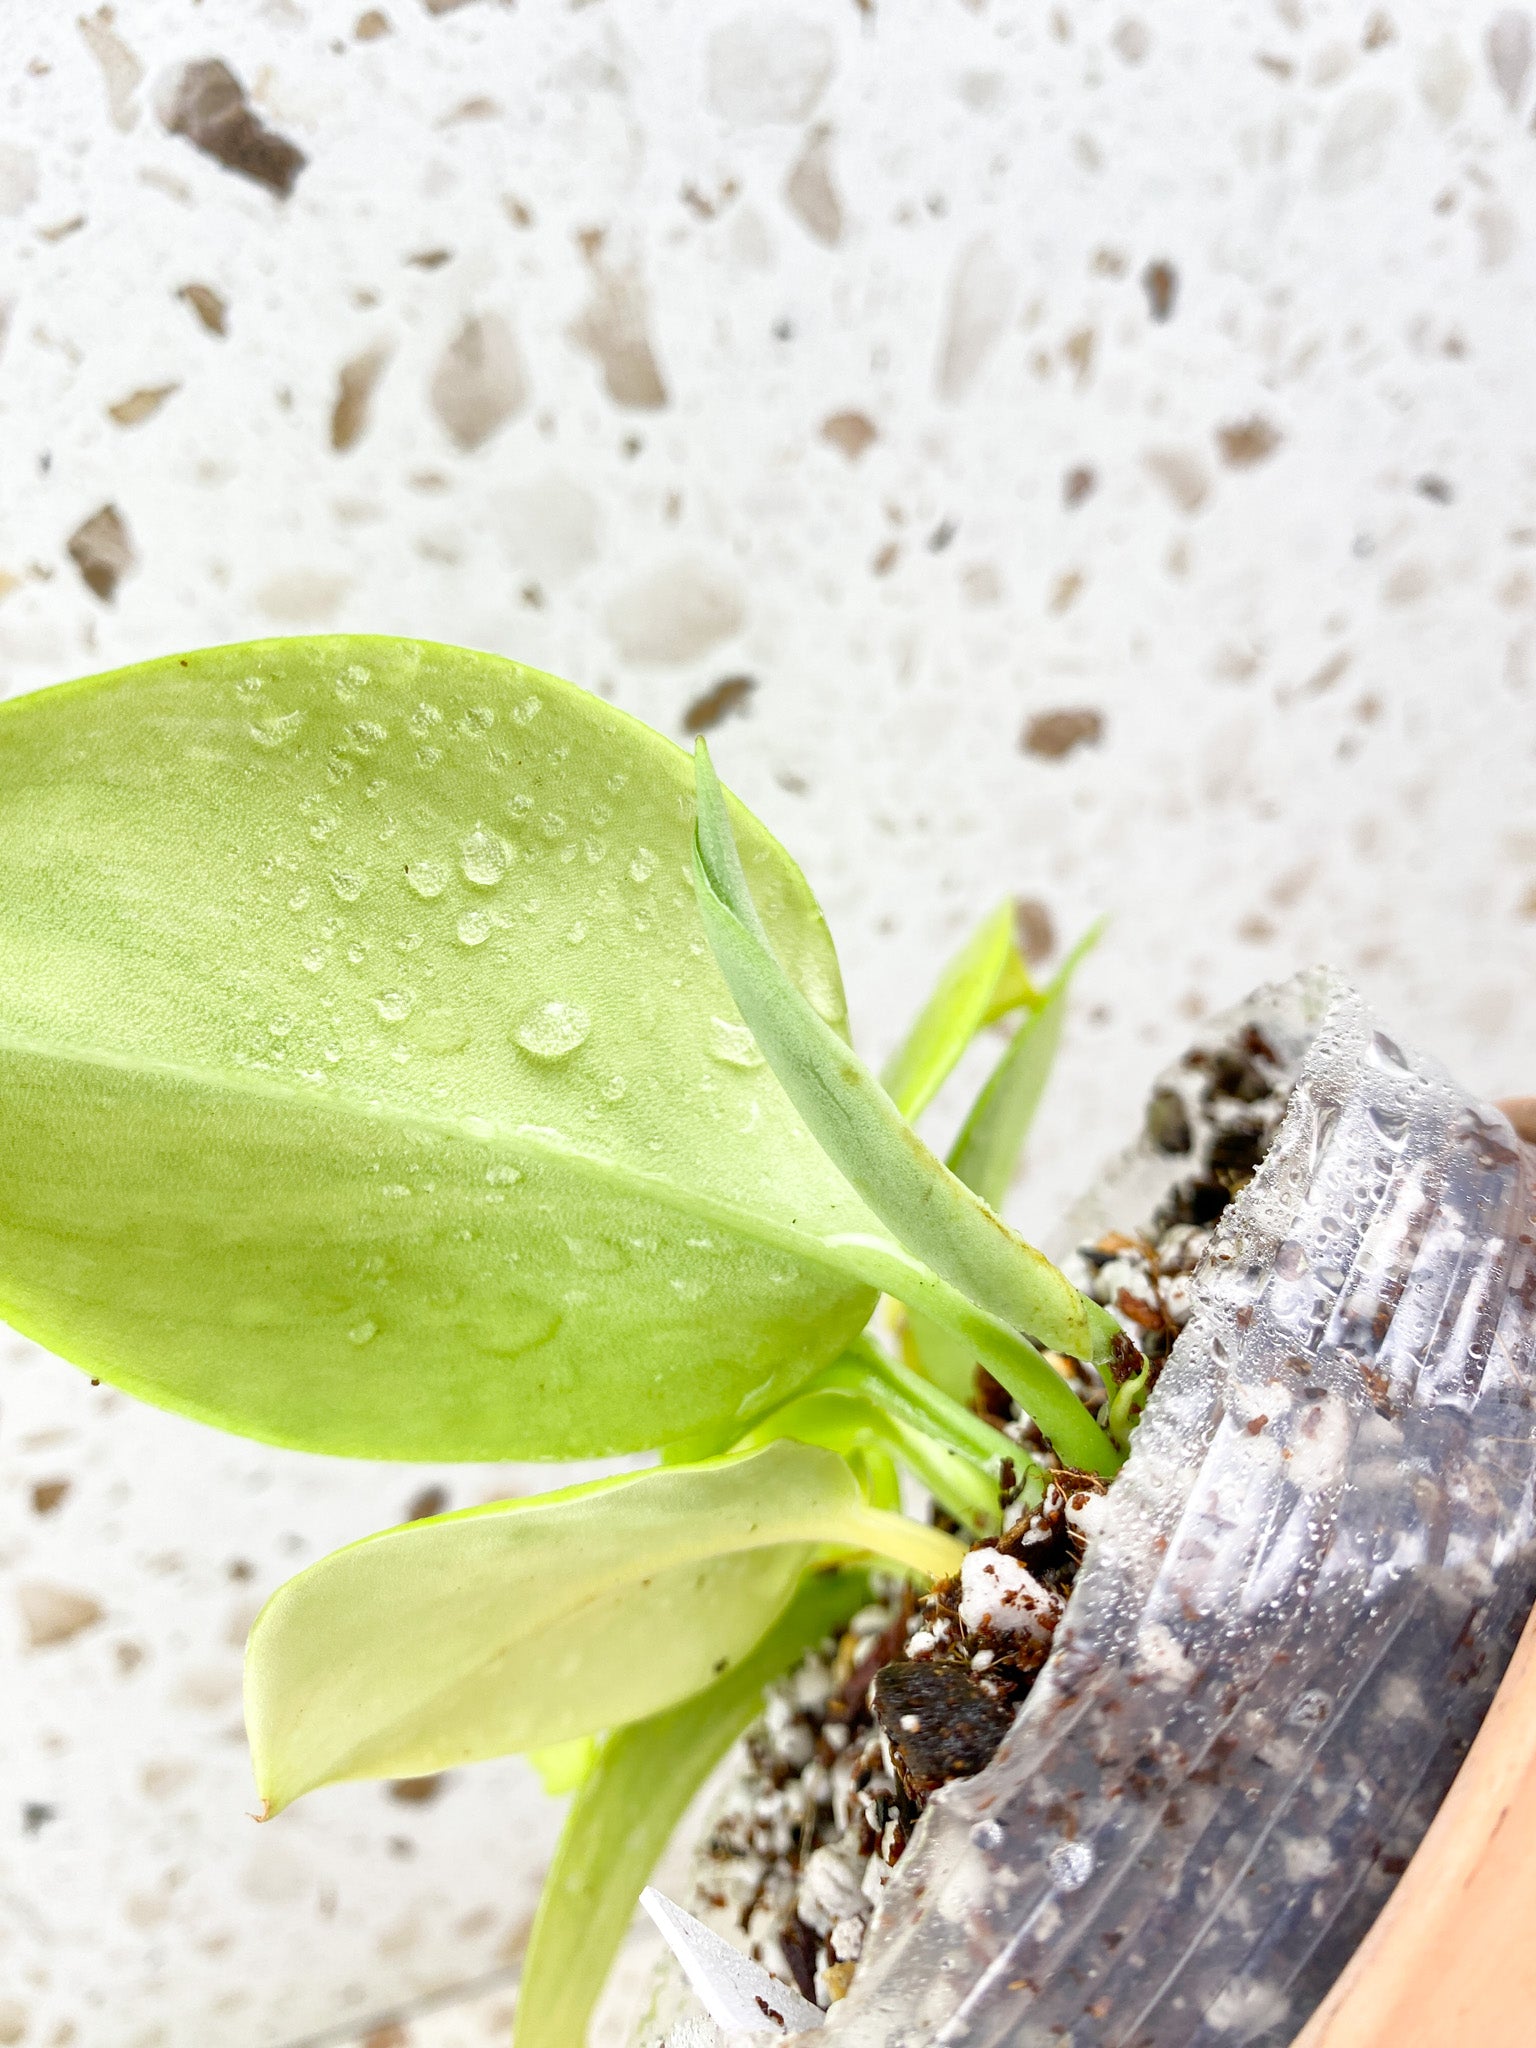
x=951, y=1238
x=536, y=1621
x=985, y=980
x=368, y=1084
x=986, y=1153
x=850, y=1422
x=642, y=1781
x=563, y=1765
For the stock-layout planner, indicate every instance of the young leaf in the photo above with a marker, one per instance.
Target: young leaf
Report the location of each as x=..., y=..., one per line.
x=368, y=1087
x=984, y=980
x=640, y=1785
x=986, y=1153
x=536, y=1621
x=849, y=1422
x=932, y=1214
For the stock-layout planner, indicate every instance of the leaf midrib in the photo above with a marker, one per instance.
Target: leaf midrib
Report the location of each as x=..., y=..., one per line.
x=747, y=1223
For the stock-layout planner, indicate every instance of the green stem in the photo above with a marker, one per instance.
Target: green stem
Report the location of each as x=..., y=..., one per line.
x=842, y=1418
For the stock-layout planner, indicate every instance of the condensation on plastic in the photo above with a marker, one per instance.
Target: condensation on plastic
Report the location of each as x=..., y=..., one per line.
x=1312, y=1573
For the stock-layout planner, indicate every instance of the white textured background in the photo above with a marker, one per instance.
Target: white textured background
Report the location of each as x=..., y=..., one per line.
x=1281, y=540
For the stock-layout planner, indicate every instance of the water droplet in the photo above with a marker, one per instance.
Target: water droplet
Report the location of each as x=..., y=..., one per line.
x=503, y=1176
x=614, y=1087
x=313, y=960
x=733, y=1043
x=357, y=953
x=249, y=686
x=526, y=712
x=1291, y=1261
x=483, y=857
x=278, y=729
x=395, y=1005
x=552, y=825
x=987, y=1834
x=428, y=878
x=428, y=757
x=477, y=719
x=554, y=1030
x=1386, y=1053
x=474, y=927
x=396, y=1191
x=423, y=718
x=596, y=851
x=519, y=806
x=577, y=933
x=347, y=885
x=280, y=1026
x=299, y=900
x=363, y=1332
x=1391, y=1121
x=1070, y=1865
x=363, y=735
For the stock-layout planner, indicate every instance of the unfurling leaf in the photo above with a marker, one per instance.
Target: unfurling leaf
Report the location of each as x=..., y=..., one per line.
x=368, y=1086
x=986, y=1153
x=985, y=980
x=933, y=1215
x=640, y=1784
x=534, y=1622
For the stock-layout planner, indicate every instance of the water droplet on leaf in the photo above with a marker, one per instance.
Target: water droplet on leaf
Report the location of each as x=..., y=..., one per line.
x=278, y=729
x=347, y=885
x=395, y=1005
x=483, y=857
x=428, y=878
x=733, y=1043
x=554, y=1030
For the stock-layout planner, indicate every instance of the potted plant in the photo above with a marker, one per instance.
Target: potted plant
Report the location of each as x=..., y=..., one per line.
x=409, y=1055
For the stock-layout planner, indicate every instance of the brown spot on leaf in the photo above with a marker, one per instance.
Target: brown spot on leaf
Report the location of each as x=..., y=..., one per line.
x=730, y=695
x=1245, y=442
x=141, y=405
x=478, y=383
x=48, y=1494
x=102, y=552
x=354, y=393
x=886, y=558
x=1054, y=734
x=370, y=26
x=1521, y=1111
x=210, y=109
x=392, y=2034
x=1160, y=282
x=1076, y=485
x=849, y=432
x=207, y=304
x=430, y=259
x=418, y=1791
x=431, y=1500
x=55, y=1614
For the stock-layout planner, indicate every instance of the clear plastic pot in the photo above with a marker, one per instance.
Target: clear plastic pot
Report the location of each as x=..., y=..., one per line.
x=1310, y=1578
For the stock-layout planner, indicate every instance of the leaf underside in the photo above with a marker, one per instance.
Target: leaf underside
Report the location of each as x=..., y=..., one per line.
x=536, y=1621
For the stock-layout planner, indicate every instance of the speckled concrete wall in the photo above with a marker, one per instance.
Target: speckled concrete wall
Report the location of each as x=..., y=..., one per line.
x=1061, y=449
